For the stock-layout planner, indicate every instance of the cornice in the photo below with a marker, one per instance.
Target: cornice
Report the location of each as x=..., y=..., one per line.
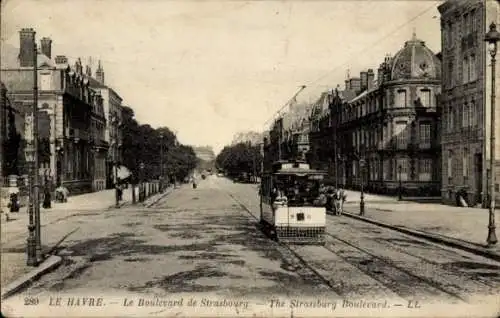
x=412, y=81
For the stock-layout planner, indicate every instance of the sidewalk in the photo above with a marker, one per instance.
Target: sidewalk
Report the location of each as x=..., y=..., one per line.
x=468, y=225
x=15, y=232
x=94, y=201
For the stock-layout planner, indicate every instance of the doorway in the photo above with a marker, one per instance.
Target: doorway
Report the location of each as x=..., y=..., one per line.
x=478, y=177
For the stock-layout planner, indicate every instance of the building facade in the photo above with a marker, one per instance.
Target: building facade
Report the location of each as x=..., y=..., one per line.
x=112, y=105
x=388, y=135
x=65, y=102
x=466, y=100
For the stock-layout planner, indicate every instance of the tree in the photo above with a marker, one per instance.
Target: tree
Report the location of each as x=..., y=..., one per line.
x=240, y=158
x=144, y=144
x=12, y=146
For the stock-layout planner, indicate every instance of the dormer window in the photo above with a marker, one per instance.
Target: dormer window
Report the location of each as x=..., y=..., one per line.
x=425, y=97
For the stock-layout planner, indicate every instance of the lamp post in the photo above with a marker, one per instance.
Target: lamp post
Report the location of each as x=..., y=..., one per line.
x=400, y=192
x=141, y=182
x=362, y=198
x=117, y=196
x=161, y=163
x=31, y=242
x=492, y=38
x=36, y=192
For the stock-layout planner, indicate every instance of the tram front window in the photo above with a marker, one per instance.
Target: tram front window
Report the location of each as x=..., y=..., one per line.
x=299, y=190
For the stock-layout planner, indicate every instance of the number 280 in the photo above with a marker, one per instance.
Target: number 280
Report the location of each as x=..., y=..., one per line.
x=30, y=301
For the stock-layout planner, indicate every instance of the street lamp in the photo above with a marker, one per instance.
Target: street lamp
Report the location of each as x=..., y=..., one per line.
x=362, y=199
x=492, y=38
x=400, y=192
x=117, y=195
x=31, y=242
x=161, y=163
x=141, y=182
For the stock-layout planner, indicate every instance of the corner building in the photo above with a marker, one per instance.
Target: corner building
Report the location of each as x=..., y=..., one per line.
x=466, y=100
x=389, y=133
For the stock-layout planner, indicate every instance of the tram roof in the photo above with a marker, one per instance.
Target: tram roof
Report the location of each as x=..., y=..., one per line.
x=300, y=171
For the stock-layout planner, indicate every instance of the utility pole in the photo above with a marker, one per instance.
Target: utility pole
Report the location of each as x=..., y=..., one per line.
x=492, y=38
x=161, y=163
x=36, y=181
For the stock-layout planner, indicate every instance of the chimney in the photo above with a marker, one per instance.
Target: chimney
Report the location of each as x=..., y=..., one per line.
x=347, y=86
x=61, y=59
x=46, y=45
x=99, y=74
x=370, y=78
x=355, y=84
x=27, y=47
x=364, y=80
x=88, y=71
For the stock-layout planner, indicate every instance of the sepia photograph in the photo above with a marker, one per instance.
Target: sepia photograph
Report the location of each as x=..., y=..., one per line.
x=250, y=158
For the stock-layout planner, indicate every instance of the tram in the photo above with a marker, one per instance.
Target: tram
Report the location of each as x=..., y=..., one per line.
x=290, y=205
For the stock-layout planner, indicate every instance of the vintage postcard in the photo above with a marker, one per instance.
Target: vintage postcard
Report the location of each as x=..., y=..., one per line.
x=230, y=158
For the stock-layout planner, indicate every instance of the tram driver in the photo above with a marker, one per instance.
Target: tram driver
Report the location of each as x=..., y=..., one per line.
x=278, y=194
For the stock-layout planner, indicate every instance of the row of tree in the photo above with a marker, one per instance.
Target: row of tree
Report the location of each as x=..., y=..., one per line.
x=240, y=158
x=152, y=147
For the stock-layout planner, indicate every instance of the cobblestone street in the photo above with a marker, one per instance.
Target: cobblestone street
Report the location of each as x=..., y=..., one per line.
x=202, y=242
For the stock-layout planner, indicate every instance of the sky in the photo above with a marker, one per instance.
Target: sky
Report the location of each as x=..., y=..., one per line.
x=210, y=69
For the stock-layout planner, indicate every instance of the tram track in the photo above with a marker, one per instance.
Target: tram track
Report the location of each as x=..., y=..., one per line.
x=450, y=253
x=401, y=281
x=290, y=250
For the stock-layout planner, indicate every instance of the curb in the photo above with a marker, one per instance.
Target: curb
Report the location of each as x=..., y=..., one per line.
x=24, y=281
x=161, y=196
x=456, y=243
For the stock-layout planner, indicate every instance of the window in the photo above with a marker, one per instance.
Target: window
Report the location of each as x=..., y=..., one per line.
x=425, y=97
x=465, y=70
x=473, y=21
x=472, y=115
x=450, y=163
x=354, y=139
x=450, y=74
x=465, y=163
x=425, y=170
x=450, y=119
x=465, y=115
x=401, y=99
x=425, y=135
x=466, y=24
x=472, y=68
x=403, y=163
x=449, y=36
x=401, y=135
x=387, y=169
x=425, y=165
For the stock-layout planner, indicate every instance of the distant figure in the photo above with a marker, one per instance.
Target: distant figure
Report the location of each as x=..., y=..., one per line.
x=119, y=189
x=61, y=194
x=340, y=198
x=46, y=198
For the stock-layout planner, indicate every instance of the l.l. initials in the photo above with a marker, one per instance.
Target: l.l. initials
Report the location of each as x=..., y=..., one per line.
x=413, y=304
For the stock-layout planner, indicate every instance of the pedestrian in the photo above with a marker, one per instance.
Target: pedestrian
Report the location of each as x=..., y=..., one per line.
x=46, y=198
x=119, y=189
